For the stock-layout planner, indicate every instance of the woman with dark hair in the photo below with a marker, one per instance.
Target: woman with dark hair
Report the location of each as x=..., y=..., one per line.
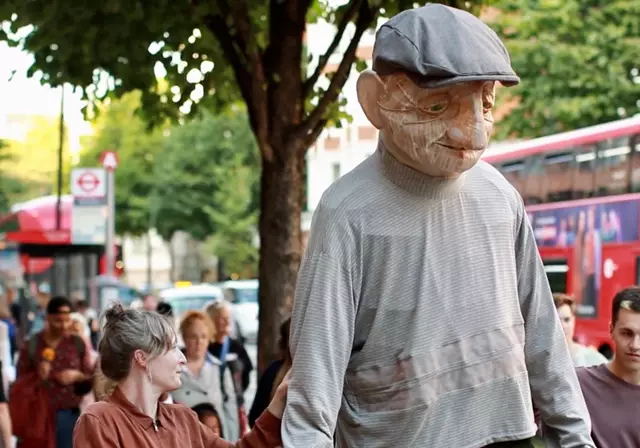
x=165, y=309
x=139, y=353
x=272, y=376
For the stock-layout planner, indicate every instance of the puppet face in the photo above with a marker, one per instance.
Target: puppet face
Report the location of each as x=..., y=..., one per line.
x=440, y=132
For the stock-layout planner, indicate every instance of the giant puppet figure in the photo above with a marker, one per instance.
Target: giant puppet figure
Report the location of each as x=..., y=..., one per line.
x=423, y=317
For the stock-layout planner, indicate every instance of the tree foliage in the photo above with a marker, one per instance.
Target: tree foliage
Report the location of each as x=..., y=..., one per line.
x=235, y=217
x=219, y=51
x=206, y=177
x=120, y=128
x=11, y=187
x=84, y=43
x=579, y=61
x=33, y=159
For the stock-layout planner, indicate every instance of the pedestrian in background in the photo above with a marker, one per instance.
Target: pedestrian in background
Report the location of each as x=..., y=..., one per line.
x=272, y=376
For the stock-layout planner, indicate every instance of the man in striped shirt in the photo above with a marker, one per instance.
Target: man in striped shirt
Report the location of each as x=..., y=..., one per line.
x=423, y=316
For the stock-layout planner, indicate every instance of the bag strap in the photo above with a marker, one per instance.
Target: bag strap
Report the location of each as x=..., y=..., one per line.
x=80, y=346
x=32, y=347
x=224, y=351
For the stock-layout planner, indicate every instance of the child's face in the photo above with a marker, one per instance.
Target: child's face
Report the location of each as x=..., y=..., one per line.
x=211, y=422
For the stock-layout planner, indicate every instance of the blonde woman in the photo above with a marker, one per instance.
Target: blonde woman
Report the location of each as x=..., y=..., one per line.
x=203, y=381
x=139, y=353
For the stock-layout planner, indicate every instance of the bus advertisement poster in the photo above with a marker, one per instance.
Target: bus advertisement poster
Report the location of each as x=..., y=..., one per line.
x=610, y=222
x=585, y=229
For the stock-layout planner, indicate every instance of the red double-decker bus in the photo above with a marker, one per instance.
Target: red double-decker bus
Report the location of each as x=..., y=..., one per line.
x=46, y=252
x=582, y=191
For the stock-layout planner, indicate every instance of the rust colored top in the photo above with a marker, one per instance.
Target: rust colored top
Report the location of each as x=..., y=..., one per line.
x=117, y=423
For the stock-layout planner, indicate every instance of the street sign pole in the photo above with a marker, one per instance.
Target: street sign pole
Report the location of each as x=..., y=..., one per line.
x=110, y=162
x=111, y=224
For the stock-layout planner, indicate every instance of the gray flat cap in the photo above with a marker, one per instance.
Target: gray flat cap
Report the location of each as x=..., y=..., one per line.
x=437, y=46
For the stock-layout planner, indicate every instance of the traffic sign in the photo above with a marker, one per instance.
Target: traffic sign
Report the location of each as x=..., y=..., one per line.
x=88, y=183
x=109, y=160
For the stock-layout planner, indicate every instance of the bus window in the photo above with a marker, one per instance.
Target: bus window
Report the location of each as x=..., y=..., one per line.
x=534, y=189
x=559, y=186
x=516, y=173
x=611, y=166
x=584, y=172
x=634, y=166
x=556, y=271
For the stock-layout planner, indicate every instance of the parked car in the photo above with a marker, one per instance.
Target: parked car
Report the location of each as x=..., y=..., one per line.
x=196, y=297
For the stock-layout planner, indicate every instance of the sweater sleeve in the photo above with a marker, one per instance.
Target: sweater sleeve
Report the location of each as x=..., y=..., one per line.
x=322, y=331
x=554, y=384
x=265, y=434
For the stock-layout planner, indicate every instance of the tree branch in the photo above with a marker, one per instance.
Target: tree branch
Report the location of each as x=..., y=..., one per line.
x=238, y=11
x=310, y=125
x=348, y=15
x=314, y=133
x=247, y=66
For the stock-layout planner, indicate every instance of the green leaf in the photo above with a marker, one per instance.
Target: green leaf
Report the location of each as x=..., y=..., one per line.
x=575, y=59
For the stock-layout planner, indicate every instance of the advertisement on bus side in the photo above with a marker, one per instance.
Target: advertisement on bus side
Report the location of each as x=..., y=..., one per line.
x=585, y=228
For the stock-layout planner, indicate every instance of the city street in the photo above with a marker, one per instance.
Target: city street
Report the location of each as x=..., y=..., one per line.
x=191, y=172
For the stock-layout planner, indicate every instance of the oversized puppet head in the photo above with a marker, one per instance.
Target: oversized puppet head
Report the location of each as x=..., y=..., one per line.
x=432, y=88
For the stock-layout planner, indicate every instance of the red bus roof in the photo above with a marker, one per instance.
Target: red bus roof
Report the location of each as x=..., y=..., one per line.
x=563, y=140
x=36, y=221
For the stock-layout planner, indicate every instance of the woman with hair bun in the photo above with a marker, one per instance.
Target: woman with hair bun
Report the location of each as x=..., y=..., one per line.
x=138, y=352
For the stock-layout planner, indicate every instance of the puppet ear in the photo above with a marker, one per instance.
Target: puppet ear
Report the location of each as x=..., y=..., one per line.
x=370, y=89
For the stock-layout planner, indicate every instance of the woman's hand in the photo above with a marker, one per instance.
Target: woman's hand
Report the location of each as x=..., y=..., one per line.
x=276, y=407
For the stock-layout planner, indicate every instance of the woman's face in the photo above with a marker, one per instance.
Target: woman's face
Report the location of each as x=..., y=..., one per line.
x=165, y=370
x=222, y=321
x=196, y=339
x=568, y=321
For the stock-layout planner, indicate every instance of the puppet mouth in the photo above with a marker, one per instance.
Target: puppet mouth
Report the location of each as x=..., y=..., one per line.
x=457, y=148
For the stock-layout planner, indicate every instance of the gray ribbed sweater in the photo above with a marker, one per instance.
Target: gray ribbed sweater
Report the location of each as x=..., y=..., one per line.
x=423, y=318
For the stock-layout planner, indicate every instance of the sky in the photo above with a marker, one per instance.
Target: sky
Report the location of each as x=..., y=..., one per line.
x=23, y=95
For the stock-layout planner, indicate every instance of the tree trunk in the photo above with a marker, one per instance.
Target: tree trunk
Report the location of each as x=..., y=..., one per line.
x=172, y=256
x=149, y=261
x=282, y=186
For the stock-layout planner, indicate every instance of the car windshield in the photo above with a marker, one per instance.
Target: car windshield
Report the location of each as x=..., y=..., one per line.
x=182, y=305
x=245, y=295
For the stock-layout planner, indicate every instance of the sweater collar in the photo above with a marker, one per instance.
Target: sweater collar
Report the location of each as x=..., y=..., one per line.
x=414, y=181
x=162, y=417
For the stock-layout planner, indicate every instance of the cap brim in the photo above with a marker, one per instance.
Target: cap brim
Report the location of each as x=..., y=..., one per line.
x=432, y=83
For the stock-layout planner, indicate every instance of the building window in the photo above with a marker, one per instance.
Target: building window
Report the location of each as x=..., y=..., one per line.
x=335, y=171
x=557, y=176
x=367, y=133
x=332, y=143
